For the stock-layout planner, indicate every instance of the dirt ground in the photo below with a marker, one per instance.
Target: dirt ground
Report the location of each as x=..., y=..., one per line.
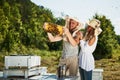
x=111, y=68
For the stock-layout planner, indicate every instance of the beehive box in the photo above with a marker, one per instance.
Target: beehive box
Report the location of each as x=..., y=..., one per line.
x=97, y=74
x=21, y=66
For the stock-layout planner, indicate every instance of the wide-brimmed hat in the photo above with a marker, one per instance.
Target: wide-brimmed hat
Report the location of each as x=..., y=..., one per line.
x=97, y=31
x=95, y=23
x=79, y=27
x=80, y=24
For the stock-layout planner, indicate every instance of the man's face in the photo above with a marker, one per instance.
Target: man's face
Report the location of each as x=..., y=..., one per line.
x=73, y=24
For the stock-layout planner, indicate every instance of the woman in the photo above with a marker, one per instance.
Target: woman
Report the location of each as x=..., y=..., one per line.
x=71, y=40
x=88, y=45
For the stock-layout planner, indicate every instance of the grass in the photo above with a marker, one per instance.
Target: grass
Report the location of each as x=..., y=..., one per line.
x=50, y=59
x=111, y=68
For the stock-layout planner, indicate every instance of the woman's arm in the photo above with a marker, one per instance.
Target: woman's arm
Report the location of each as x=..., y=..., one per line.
x=73, y=41
x=54, y=38
x=51, y=37
x=91, y=41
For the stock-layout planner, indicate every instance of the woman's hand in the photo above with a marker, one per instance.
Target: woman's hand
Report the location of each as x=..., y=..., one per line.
x=80, y=35
x=44, y=25
x=66, y=31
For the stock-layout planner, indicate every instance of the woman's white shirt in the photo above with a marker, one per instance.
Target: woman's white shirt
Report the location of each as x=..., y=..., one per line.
x=86, y=59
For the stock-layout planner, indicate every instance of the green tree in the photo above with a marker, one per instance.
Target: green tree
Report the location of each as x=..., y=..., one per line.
x=4, y=25
x=22, y=26
x=107, y=43
x=118, y=39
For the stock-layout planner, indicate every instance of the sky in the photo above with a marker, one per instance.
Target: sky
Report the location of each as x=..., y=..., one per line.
x=85, y=9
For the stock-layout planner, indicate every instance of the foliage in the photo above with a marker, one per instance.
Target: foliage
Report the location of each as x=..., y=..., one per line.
x=107, y=43
x=21, y=26
x=118, y=39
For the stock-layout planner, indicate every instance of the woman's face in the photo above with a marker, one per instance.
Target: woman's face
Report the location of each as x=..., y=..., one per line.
x=89, y=29
x=73, y=24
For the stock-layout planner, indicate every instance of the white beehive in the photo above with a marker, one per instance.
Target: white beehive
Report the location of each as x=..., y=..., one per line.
x=97, y=74
x=22, y=66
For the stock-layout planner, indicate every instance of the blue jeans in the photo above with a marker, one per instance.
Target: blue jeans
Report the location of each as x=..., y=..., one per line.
x=85, y=75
